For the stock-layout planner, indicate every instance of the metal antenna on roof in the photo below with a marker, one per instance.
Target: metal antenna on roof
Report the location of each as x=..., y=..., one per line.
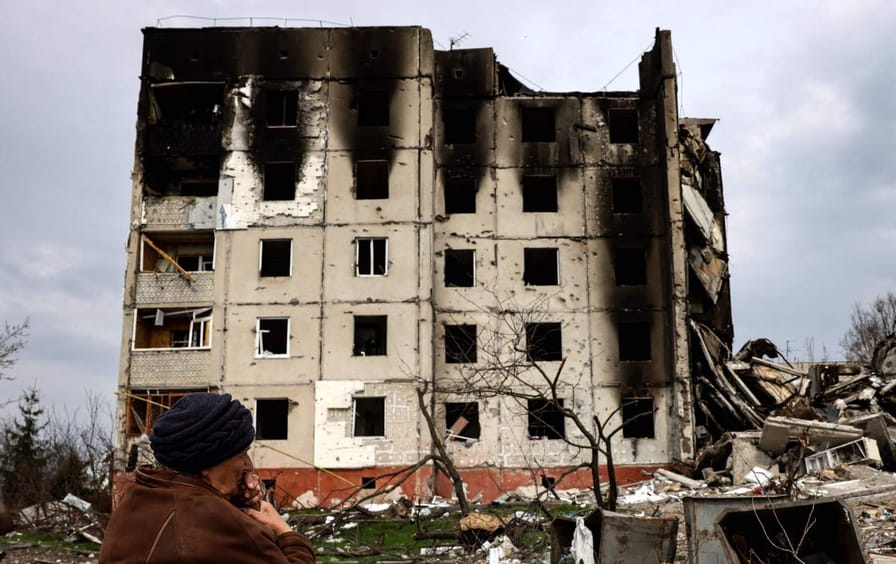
x=456, y=40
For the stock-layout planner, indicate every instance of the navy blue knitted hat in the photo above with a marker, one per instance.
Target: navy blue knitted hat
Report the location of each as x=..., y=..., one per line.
x=201, y=430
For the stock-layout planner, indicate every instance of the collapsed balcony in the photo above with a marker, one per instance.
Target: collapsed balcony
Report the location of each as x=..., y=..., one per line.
x=184, y=119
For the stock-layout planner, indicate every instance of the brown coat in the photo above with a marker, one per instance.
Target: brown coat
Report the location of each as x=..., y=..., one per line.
x=171, y=517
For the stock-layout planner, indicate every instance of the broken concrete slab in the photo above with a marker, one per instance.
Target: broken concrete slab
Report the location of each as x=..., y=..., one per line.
x=874, y=426
x=619, y=538
x=778, y=431
x=746, y=455
x=700, y=516
x=862, y=450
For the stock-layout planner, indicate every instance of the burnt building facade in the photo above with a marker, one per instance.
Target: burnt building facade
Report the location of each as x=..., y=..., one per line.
x=326, y=222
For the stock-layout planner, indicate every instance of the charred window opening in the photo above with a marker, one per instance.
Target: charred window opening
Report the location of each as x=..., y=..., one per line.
x=276, y=257
x=540, y=267
x=624, y=126
x=634, y=340
x=279, y=181
x=539, y=193
x=144, y=407
x=368, y=483
x=460, y=344
x=200, y=188
x=637, y=418
x=173, y=328
x=538, y=125
x=462, y=420
x=371, y=180
x=460, y=125
x=370, y=417
x=371, y=256
x=460, y=194
x=543, y=342
x=272, y=337
x=546, y=420
x=271, y=419
x=631, y=266
x=460, y=268
x=183, y=175
x=373, y=109
x=194, y=104
x=282, y=108
x=626, y=195
x=370, y=335
x=193, y=252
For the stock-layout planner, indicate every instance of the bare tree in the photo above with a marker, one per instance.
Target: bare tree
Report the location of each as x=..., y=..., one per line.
x=868, y=326
x=12, y=340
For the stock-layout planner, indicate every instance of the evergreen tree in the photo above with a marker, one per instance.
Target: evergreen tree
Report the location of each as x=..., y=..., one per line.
x=24, y=457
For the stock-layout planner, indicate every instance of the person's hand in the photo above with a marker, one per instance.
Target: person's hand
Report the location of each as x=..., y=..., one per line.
x=251, y=490
x=269, y=518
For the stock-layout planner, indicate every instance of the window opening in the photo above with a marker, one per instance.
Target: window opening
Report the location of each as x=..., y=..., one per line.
x=630, y=265
x=538, y=125
x=372, y=180
x=546, y=419
x=634, y=341
x=370, y=417
x=279, y=181
x=199, y=188
x=276, y=257
x=623, y=126
x=460, y=268
x=626, y=195
x=462, y=420
x=637, y=418
x=373, y=109
x=543, y=342
x=539, y=193
x=460, y=194
x=144, y=407
x=540, y=267
x=272, y=337
x=460, y=125
x=271, y=419
x=370, y=335
x=371, y=256
x=169, y=328
x=368, y=483
x=460, y=344
x=282, y=106
x=196, y=263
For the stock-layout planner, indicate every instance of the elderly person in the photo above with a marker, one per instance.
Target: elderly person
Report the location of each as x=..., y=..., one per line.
x=196, y=508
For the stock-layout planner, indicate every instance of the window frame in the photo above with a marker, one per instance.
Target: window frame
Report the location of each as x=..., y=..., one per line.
x=259, y=337
x=282, y=96
x=445, y=259
x=261, y=245
x=372, y=266
x=355, y=417
x=381, y=322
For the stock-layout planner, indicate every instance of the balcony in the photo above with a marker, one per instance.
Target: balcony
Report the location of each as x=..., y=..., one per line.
x=191, y=212
x=173, y=288
x=167, y=368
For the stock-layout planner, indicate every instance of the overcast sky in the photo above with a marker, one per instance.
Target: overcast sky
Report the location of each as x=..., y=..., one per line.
x=804, y=92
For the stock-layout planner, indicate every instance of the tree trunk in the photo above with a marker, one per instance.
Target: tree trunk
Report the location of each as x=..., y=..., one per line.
x=443, y=456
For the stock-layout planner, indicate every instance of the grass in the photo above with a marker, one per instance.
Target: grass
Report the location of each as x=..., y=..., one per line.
x=48, y=540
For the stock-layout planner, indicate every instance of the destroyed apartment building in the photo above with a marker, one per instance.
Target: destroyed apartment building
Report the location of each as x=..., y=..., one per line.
x=326, y=220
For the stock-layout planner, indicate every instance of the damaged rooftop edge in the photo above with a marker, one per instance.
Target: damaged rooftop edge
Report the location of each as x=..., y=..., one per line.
x=325, y=218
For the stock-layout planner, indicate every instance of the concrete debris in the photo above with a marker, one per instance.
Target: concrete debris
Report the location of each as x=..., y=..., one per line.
x=863, y=450
x=778, y=432
x=616, y=538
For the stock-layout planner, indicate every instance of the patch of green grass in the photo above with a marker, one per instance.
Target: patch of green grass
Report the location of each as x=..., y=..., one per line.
x=47, y=540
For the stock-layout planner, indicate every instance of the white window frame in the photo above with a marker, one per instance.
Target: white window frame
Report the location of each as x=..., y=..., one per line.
x=261, y=255
x=370, y=240
x=259, y=337
x=201, y=320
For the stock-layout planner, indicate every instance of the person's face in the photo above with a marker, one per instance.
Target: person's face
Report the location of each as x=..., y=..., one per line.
x=226, y=476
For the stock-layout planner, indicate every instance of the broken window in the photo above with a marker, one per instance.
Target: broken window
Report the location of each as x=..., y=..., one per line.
x=282, y=108
x=370, y=335
x=372, y=180
x=460, y=344
x=279, y=181
x=368, y=483
x=543, y=342
x=623, y=126
x=460, y=125
x=144, y=407
x=369, y=416
x=199, y=188
x=539, y=193
x=462, y=420
x=373, y=109
x=634, y=340
x=630, y=265
x=193, y=103
x=540, y=267
x=460, y=194
x=546, y=419
x=626, y=195
x=158, y=328
x=275, y=257
x=538, y=125
x=271, y=419
x=192, y=252
x=460, y=268
x=637, y=418
x=272, y=337
x=371, y=256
